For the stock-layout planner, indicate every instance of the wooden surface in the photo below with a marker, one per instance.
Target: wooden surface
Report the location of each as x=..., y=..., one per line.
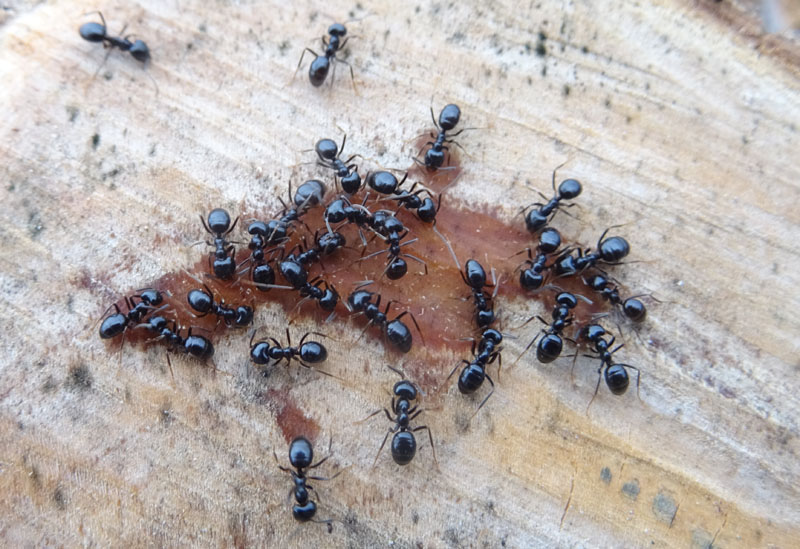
x=681, y=119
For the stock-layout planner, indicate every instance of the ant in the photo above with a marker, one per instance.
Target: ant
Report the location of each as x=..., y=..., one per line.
x=632, y=307
x=385, y=182
x=203, y=302
x=324, y=245
x=306, y=352
x=537, y=218
x=328, y=154
x=318, y=70
x=616, y=375
x=301, y=456
x=398, y=334
x=393, y=231
x=261, y=272
x=297, y=276
x=475, y=277
x=448, y=118
x=194, y=345
x=219, y=225
x=550, y=345
x=532, y=277
x=609, y=250
x=473, y=374
x=96, y=32
x=309, y=194
x=117, y=323
x=404, y=445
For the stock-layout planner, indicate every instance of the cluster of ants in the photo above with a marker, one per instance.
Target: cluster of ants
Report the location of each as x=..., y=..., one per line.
x=270, y=254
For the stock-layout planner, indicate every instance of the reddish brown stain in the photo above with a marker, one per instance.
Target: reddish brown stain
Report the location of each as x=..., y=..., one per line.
x=290, y=418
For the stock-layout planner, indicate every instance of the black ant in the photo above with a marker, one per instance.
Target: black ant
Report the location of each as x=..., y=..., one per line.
x=306, y=352
x=261, y=272
x=324, y=245
x=318, y=70
x=386, y=183
x=550, y=345
x=96, y=32
x=219, y=225
x=398, y=334
x=301, y=456
x=632, y=307
x=473, y=374
x=393, y=231
x=616, y=375
x=404, y=445
x=475, y=277
x=194, y=345
x=203, y=302
x=297, y=276
x=537, y=218
x=448, y=118
x=309, y=194
x=609, y=250
x=117, y=323
x=328, y=154
x=532, y=278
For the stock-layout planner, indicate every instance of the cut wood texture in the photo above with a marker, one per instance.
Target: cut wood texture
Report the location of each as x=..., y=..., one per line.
x=679, y=117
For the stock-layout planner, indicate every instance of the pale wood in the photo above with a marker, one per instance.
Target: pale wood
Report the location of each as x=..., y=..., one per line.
x=681, y=119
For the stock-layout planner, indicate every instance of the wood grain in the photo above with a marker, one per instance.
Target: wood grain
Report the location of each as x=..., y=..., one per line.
x=681, y=120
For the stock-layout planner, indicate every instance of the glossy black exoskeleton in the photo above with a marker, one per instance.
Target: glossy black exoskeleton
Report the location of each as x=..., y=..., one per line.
x=194, y=345
x=475, y=277
x=398, y=334
x=550, y=345
x=610, y=251
x=219, y=225
x=318, y=70
x=97, y=32
x=204, y=303
x=306, y=352
x=139, y=306
x=474, y=372
x=328, y=153
x=532, y=277
x=448, y=118
x=386, y=183
x=311, y=193
x=393, y=232
x=405, y=409
x=301, y=456
x=537, y=218
x=615, y=374
x=632, y=307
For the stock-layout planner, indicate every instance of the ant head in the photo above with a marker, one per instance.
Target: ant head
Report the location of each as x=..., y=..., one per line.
x=310, y=193
x=263, y=274
x=330, y=242
x=337, y=29
x=549, y=240
x=449, y=117
x=326, y=149
x=219, y=221
x=405, y=390
x=382, y=181
x=151, y=297
x=593, y=332
x=93, y=32
x=535, y=220
x=329, y=299
x=259, y=353
x=569, y=189
x=567, y=300
x=140, y=51
x=597, y=283
x=359, y=300
x=634, y=309
x=301, y=454
x=531, y=280
x=492, y=335
x=396, y=269
x=617, y=378
x=258, y=228
x=244, y=315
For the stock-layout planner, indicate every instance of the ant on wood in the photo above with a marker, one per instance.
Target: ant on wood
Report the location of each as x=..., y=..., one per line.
x=194, y=345
x=473, y=374
x=306, y=352
x=328, y=153
x=203, y=302
x=301, y=456
x=117, y=323
x=532, y=277
x=615, y=374
x=448, y=118
x=318, y=70
x=398, y=334
x=537, y=218
x=97, y=32
x=219, y=225
x=610, y=251
x=404, y=445
x=550, y=345
x=475, y=277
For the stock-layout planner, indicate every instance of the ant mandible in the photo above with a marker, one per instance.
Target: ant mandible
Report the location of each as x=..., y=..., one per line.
x=318, y=70
x=404, y=445
x=96, y=32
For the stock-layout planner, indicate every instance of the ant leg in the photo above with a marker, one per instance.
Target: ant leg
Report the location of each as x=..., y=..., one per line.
x=554, y=173
x=301, y=61
x=485, y=399
x=397, y=371
x=373, y=414
x=529, y=345
x=418, y=260
x=456, y=368
x=433, y=117
x=597, y=387
x=281, y=467
x=430, y=437
x=389, y=432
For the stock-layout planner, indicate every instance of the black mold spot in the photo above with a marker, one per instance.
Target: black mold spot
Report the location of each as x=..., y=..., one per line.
x=95, y=140
x=605, y=475
x=664, y=508
x=80, y=377
x=60, y=498
x=73, y=112
x=631, y=489
x=565, y=90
